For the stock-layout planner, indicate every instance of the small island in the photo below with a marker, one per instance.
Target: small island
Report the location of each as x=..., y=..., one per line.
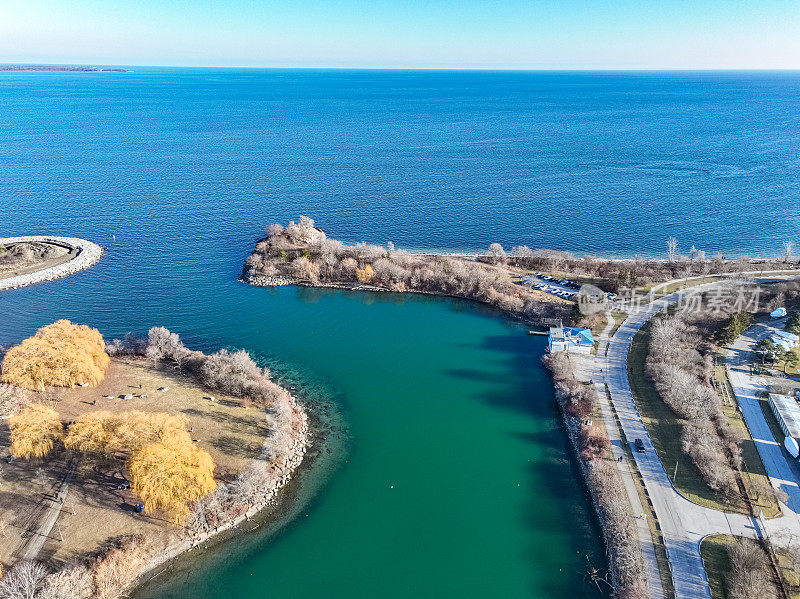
x=158, y=446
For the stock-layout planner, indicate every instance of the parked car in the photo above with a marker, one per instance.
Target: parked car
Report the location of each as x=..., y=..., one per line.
x=639, y=444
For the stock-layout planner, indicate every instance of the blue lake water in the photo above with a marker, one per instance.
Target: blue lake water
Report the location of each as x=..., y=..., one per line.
x=177, y=171
x=606, y=163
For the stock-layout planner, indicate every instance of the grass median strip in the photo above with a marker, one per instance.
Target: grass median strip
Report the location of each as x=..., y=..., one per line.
x=664, y=428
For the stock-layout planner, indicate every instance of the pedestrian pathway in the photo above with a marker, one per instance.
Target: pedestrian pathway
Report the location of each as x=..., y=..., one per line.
x=52, y=512
x=590, y=369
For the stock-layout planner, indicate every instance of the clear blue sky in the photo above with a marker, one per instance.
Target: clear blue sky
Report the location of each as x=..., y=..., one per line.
x=535, y=34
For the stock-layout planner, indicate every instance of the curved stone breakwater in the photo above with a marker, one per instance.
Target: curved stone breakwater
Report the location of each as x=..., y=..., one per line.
x=89, y=253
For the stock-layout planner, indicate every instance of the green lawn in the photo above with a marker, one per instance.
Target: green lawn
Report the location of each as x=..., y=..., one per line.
x=665, y=428
x=715, y=557
x=714, y=551
x=792, y=370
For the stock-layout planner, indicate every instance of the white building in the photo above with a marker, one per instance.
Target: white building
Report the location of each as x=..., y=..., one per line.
x=785, y=339
x=787, y=413
x=570, y=340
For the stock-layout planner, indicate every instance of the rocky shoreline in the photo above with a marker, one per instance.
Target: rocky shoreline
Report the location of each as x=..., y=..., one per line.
x=89, y=254
x=296, y=453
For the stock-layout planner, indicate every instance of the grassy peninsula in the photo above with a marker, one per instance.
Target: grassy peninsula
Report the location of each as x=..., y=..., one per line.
x=159, y=446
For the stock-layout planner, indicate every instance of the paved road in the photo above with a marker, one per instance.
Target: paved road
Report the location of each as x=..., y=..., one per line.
x=781, y=468
x=591, y=368
x=683, y=524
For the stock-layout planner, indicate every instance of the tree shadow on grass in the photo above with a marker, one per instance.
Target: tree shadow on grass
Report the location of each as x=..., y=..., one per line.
x=230, y=445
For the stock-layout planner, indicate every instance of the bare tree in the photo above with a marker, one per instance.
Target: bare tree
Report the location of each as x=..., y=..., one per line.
x=749, y=576
x=24, y=581
x=788, y=246
x=496, y=253
x=672, y=248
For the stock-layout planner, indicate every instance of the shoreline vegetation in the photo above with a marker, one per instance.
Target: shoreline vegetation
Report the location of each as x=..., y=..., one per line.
x=301, y=254
x=60, y=68
x=577, y=401
x=182, y=506
x=32, y=259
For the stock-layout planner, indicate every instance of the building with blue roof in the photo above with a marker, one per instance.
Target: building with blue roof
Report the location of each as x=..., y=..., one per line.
x=570, y=340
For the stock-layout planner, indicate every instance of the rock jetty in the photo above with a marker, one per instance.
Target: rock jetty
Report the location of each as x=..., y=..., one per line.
x=88, y=254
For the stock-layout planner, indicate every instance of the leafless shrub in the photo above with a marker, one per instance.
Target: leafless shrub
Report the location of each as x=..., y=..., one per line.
x=680, y=373
x=13, y=399
x=304, y=256
x=749, y=576
x=24, y=581
x=274, y=229
x=622, y=537
x=74, y=581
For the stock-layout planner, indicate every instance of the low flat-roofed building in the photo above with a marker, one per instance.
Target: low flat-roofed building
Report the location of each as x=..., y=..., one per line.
x=570, y=340
x=785, y=339
x=787, y=413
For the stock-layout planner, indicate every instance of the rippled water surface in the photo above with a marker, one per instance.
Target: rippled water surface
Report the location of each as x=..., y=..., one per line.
x=610, y=163
x=455, y=479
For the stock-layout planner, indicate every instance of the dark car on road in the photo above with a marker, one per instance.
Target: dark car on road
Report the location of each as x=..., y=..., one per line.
x=639, y=444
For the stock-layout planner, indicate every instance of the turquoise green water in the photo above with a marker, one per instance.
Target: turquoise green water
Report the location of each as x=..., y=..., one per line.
x=455, y=480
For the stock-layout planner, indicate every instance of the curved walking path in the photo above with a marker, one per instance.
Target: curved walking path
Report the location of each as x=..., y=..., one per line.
x=683, y=524
x=88, y=254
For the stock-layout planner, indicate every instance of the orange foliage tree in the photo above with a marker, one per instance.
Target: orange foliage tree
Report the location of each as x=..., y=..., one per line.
x=61, y=354
x=34, y=431
x=365, y=274
x=171, y=474
x=168, y=471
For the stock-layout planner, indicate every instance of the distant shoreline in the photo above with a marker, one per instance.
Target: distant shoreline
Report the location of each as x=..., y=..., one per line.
x=49, y=67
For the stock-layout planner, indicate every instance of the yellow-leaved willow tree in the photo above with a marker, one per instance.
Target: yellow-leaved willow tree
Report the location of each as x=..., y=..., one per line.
x=168, y=471
x=171, y=474
x=365, y=274
x=34, y=431
x=61, y=354
x=108, y=433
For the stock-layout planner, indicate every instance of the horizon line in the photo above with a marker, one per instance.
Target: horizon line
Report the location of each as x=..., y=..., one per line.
x=420, y=68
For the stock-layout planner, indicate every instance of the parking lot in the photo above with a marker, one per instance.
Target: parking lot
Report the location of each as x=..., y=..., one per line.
x=564, y=288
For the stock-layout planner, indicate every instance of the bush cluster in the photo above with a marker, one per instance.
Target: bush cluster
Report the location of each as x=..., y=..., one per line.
x=621, y=534
x=304, y=254
x=61, y=354
x=236, y=374
x=681, y=374
x=102, y=577
x=749, y=574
